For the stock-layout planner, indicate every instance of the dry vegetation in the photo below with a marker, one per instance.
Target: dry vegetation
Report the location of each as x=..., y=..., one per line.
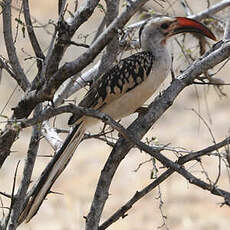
x=185, y=206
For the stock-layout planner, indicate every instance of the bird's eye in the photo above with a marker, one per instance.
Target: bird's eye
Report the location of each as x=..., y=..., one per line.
x=165, y=26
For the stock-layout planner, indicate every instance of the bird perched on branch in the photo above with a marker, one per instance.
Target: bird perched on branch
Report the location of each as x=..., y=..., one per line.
x=119, y=92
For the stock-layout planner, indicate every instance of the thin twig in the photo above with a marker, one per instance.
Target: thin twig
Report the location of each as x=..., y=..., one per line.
x=227, y=28
x=140, y=194
x=7, y=219
x=20, y=76
x=33, y=39
x=27, y=173
x=68, y=69
x=112, y=49
x=6, y=195
x=212, y=10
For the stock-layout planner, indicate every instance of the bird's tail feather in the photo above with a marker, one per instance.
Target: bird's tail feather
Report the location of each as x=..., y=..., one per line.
x=51, y=172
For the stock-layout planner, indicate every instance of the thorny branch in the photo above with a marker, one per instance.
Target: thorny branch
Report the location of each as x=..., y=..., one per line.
x=153, y=151
x=7, y=218
x=142, y=124
x=215, y=8
x=26, y=179
x=56, y=76
x=138, y=195
x=227, y=28
x=66, y=30
x=112, y=48
x=33, y=39
x=20, y=76
x=46, y=92
x=89, y=75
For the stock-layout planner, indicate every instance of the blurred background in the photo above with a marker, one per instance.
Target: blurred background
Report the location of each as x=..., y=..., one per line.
x=186, y=207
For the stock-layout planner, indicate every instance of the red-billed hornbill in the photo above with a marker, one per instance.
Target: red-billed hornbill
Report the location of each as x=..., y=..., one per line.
x=120, y=92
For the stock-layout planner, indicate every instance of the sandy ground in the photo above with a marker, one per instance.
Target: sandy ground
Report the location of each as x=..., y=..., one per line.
x=186, y=206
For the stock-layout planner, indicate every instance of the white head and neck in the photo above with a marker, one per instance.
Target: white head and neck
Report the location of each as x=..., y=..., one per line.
x=154, y=33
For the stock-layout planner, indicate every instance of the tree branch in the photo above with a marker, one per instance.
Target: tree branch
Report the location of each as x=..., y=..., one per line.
x=7, y=138
x=90, y=74
x=112, y=48
x=28, y=103
x=20, y=76
x=7, y=67
x=227, y=28
x=217, y=54
x=33, y=39
x=212, y=10
x=142, y=124
x=140, y=194
x=177, y=167
x=7, y=219
x=66, y=30
x=27, y=173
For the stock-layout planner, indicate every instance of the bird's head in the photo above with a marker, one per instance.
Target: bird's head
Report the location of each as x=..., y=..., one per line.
x=158, y=30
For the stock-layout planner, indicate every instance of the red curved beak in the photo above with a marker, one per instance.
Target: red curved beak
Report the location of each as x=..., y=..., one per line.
x=183, y=24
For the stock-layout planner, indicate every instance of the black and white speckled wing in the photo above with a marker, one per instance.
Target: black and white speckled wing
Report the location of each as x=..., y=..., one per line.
x=122, y=78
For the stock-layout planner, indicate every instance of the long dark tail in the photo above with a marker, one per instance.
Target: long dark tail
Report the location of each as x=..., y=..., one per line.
x=55, y=167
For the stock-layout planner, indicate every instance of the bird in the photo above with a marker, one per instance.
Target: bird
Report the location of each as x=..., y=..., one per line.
x=119, y=92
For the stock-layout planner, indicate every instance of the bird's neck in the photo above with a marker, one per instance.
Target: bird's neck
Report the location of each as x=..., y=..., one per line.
x=158, y=50
x=160, y=53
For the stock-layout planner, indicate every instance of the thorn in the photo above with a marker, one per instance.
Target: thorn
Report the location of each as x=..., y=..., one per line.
x=86, y=218
x=124, y=215
x=57, y=193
